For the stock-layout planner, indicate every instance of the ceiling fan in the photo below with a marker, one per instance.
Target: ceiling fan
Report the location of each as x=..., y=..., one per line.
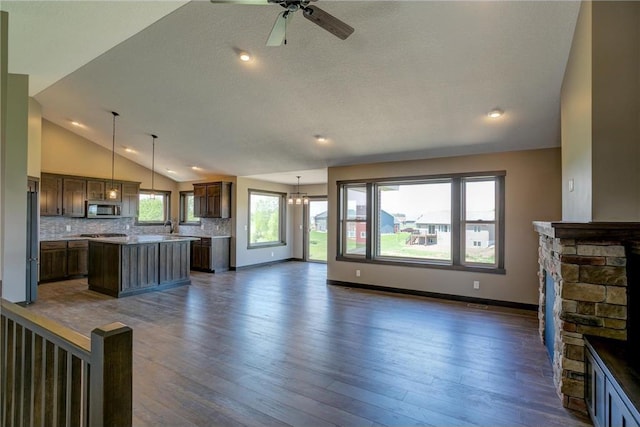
x=313, y=13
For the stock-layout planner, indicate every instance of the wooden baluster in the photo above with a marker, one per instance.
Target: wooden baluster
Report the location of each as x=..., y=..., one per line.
x=111, y=389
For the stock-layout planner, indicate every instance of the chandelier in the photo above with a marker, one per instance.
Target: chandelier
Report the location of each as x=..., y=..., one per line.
x=298, y=198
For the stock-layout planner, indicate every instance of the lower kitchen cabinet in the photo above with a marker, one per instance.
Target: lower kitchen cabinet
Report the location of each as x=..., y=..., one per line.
x=210, y=254
x=63, y=259
x=77, y=257
x=53, y=260
x=612, y=383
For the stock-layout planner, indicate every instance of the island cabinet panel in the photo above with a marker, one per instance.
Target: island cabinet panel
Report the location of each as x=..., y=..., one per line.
x=174, y=262
x=139, y=266
x=104, y=268
x=132, y=265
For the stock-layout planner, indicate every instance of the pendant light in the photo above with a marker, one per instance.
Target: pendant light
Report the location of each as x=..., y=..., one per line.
x=298, y=198
x=153, y=164
x=113, y=192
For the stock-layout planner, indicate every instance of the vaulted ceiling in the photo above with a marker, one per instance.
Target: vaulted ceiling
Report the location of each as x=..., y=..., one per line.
x=415, y=80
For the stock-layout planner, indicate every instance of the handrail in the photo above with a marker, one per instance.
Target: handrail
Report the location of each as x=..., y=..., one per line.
x=53, y=376
x=66, y=338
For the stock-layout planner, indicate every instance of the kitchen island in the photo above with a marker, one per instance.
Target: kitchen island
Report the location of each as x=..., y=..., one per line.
x=121, y=266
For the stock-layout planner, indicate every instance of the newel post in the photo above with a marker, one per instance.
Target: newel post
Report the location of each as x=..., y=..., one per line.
x=111, y=382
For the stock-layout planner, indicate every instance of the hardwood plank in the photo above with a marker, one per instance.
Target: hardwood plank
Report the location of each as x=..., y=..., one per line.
x=276, y=346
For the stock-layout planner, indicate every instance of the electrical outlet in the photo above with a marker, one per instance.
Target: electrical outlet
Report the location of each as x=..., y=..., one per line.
x=271, y=254
x=357, y=273
x=68, y=228
x=127, y=227
x=476, y=284
x=571, y=184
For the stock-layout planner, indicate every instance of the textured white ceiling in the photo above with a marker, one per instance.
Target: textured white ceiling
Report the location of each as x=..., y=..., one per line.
x=415, y=80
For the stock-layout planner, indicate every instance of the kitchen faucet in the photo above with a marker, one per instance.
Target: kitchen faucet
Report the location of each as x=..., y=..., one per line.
x=169, y=222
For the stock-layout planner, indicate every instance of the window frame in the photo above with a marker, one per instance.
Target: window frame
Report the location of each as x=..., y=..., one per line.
x=167, y=207
x=457, y=225
x=282, y=223
x=183, y=209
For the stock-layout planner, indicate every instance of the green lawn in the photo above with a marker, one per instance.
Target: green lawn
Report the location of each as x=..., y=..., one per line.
x=394, y=245
x=318, y=246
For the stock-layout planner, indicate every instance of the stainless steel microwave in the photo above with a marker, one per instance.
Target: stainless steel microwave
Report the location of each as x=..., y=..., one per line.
x=103, y=209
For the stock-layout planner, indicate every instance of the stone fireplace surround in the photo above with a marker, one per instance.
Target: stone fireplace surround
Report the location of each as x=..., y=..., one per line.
x=588, y=265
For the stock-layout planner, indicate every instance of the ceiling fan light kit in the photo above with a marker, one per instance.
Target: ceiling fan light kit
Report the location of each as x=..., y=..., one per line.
x=278, y=35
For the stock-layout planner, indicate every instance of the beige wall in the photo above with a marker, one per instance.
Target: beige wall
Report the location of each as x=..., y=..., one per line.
x=241, y=256
x=600, y=115
x=34, y=150
x=616, y=110
x=4, y=21
x=576, y=124
x=65, y=152
x=14, y=182
x=532, y=186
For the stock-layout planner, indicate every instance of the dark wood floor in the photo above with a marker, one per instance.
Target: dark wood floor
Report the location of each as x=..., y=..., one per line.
x=277, y=346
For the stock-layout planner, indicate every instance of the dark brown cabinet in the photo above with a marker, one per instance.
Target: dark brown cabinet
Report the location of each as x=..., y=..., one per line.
x=77, y=257
x=96, y=190
x=73, y=197
x=53, y=260
x=50, y=195
x=66, y=195
x=130, y=199
x=210, y=254
x=212, y=200
x=63, y=259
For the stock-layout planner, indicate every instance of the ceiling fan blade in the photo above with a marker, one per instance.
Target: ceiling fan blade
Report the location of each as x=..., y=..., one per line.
x=260, y=2
x=328, y=22
x=279, y=30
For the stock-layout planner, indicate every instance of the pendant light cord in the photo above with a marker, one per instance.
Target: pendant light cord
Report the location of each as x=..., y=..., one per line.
x=153, y=162
x=113, y=149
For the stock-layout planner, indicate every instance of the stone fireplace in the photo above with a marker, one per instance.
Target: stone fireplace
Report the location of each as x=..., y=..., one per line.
x=585, y=264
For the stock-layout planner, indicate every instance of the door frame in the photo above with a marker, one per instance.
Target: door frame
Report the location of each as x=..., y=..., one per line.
x=306, y=221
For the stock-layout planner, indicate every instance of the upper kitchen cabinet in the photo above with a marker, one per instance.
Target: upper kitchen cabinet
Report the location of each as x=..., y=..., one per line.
x=73, y=197
x=50, y=195
x=67, y=195
x=212, y=200
x=95, y=190
x=130, y=199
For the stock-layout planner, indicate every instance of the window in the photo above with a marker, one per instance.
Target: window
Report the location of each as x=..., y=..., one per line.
x=187, y=208
x=354, y=213
x=154, y=208
x=454, y=221
x=266, y=219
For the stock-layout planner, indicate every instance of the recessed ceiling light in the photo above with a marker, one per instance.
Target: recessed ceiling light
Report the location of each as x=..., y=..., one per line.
x=77, y=124
x=245, y=57
x=495, y=113
x=130, y=150
x=196, y=168
x=170, y=171
x=320, y=138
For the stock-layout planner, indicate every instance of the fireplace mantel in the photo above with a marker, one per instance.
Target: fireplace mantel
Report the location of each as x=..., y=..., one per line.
x=588, y=230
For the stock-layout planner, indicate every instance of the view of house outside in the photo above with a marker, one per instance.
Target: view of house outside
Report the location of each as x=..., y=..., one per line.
x=317, y=230
x=414, y=221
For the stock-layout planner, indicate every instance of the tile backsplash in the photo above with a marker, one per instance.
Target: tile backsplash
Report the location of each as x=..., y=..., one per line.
x=54, y=227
